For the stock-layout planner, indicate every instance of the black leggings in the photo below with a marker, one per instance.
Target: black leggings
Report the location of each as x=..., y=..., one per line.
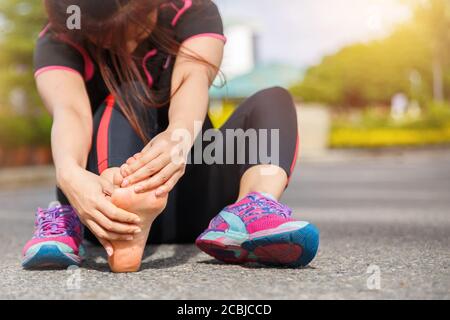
x=205, y=189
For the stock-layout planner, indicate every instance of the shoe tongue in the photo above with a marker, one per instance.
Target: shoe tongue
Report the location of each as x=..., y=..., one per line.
x=54, y=204
x=269, y=196
x=59, y=221
x=54, y=219
x=269, y=205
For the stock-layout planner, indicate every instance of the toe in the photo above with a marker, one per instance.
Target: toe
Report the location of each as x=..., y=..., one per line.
x=118, y=178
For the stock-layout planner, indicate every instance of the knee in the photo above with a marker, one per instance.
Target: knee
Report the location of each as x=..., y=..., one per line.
x=276, y=91
x=278, y=94
x=275, y=98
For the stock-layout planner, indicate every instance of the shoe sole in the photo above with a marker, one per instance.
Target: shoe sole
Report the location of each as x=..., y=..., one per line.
x=295, y=248
x=50, y=256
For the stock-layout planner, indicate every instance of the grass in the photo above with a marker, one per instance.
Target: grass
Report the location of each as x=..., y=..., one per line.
x=220, y=115
x=379, y=138
x=375, y=129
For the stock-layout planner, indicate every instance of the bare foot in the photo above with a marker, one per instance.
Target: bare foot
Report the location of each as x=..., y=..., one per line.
x=127, y=255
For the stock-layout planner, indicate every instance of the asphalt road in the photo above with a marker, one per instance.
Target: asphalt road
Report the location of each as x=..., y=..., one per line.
x=386, y=215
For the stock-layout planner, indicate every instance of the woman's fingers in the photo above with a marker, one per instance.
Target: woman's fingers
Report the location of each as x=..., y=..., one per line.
x=157, y=180
x=108, y=246
x=116, y=214
x=146, y=171
x=134, y=158
x=128, y=169
x=115, y=227
x=117, y=179
x=107, y=186
x=169, y=185
x=101, y=233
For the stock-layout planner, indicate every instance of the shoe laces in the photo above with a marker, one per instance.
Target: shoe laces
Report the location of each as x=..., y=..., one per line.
x=58, y=221
x=256, y=205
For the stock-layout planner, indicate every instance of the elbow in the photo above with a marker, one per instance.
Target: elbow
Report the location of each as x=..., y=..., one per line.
x=200, y=73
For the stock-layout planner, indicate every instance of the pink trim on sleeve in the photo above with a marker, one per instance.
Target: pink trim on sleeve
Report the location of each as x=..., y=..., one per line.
x=51, y=68
x=88, y=63
x=210, y=35
x=149, y=55
x=103, y=135
x=167, y=63
x=187, y=5
x=44, y=31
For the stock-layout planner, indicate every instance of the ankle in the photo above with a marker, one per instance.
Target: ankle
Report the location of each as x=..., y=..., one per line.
x=270, y=180
x=265, y=192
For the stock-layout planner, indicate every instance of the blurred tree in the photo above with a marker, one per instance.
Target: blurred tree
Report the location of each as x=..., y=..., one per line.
x=372, y=73
x=20, y=23
x=433, y=17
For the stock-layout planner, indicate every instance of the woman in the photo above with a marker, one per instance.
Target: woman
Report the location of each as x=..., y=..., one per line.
x=121, y=89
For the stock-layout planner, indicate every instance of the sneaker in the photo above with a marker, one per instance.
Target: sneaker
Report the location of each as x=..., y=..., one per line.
x=260, y=229
x=57, y=240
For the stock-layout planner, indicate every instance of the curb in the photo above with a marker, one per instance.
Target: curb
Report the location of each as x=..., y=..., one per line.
x=26, y=176
x=13, y=177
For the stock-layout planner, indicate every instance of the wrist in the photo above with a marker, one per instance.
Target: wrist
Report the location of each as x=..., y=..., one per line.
x=177, y=125
x=65, y=174
x=193, y=127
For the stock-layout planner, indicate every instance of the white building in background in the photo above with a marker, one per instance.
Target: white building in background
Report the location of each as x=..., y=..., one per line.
x=241, y=50
x=245, y=74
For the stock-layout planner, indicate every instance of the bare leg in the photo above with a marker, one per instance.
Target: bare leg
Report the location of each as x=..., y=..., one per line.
x=265, y=179
x=127, y=255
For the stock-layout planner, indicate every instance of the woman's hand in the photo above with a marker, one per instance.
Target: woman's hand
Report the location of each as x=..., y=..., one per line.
x=88, y=193
x=159, y=166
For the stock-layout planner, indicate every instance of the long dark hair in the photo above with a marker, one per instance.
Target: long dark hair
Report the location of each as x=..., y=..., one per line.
x=108, y=23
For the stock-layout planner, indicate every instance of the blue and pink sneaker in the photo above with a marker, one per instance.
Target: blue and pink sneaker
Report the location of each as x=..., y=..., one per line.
x=57, y=240
x=260, y=229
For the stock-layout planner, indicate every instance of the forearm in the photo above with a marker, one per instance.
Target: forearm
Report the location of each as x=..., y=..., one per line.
x=189, y=106
x=71, y=142
x=65, y=97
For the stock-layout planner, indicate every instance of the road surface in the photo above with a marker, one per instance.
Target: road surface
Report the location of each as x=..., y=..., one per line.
x=385, y=234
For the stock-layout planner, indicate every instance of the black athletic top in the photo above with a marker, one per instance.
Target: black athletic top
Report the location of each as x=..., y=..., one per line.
x=186, y=19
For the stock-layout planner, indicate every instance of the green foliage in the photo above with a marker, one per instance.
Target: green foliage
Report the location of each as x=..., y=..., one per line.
x=24, y=131
x=220, y=115
x=372, y=73
x=350, y=138
x=435, y=115
x=20, y=23
x=373, y=128
x=433, y=16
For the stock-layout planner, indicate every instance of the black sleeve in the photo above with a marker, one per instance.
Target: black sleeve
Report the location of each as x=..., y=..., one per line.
x=201, y=18
x=51, y=53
